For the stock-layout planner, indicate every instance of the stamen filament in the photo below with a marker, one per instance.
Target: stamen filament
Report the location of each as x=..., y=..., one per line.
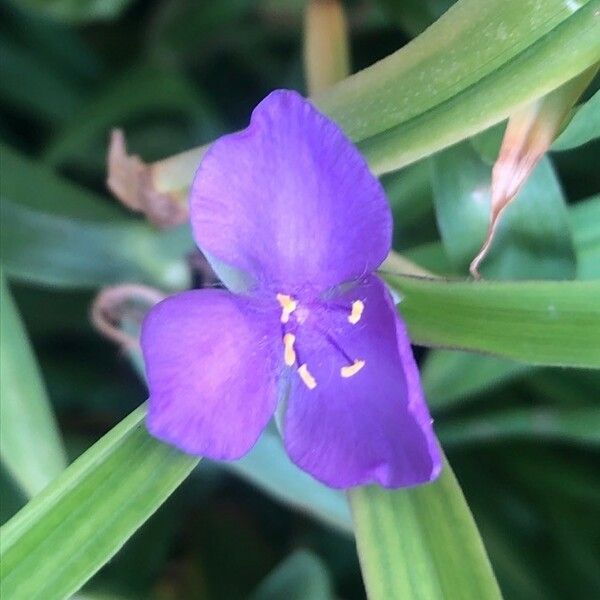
x=356, y=313
x=309, y=381
x=289, y=354
x=353, y=369
x=288, y=306
x=332, y=341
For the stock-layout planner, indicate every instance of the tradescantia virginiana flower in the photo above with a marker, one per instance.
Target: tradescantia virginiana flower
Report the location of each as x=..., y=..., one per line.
x=289, y=206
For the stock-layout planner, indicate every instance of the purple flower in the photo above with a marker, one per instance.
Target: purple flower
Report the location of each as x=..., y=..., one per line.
x=295, y=224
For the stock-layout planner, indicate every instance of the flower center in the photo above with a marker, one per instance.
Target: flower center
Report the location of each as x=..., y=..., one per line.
x=289, y=306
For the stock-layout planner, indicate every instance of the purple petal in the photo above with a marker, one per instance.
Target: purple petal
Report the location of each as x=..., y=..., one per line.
x=374, y=426
x=290, y=200
x=211, y=375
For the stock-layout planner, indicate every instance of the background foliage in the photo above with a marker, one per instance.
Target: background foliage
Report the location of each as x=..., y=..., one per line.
x=522, y=437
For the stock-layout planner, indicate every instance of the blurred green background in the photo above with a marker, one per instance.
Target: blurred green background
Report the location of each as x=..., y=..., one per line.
x=175, y=74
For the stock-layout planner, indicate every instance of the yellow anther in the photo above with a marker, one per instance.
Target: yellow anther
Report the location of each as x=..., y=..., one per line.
x=288, y=306
x=309, y=381
x=289, y=354
x=357, y=311
x=352, y=369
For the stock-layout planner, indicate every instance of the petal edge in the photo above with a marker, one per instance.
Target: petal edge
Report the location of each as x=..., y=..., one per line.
x=210, y=369
x=290, y=200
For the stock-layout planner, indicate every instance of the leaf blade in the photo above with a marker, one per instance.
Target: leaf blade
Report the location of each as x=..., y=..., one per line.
x=30, y=444
x=66, y=533
x=570, y=425
x=268, y=467
x=301, y=576
x=421, y=543
x=418, y=101
x=397, y=112
x=585, y=221
x=555, y=323
x=583, y=128
x=70, y=237
x=450, y=378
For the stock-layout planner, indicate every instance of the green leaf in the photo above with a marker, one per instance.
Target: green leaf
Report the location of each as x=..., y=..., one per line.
x=46, y=249
x=268, y=467
x=487, y=143
x=451, y=377
x=68, y=531
x=23, y=180
x=585, y=221
x=544, y=323
x=421, y=543
x=571, y=425
x=584, y=126
x=533, y=239
x=302, y=576
x=56, y=233
x=77, y=10
x=468, y=71
x=30, y=445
